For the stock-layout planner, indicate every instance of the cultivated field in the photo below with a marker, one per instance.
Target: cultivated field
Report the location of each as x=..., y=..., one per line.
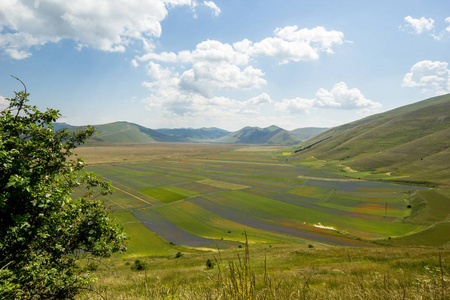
x=226, y=222
x=207, y=196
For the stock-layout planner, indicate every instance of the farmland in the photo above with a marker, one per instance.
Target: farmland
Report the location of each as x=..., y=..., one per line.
x=270, y=225
x=172, y=197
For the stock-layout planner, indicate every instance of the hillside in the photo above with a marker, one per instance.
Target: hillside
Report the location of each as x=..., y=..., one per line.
x=194, y=135
x=124, y=132
x=411, y=141
x=272, y=135
x=308, y=132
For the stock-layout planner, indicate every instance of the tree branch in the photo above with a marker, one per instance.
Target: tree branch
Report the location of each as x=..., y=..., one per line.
x=24, y=86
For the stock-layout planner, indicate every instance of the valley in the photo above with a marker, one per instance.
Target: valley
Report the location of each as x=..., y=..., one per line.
x=326, y=218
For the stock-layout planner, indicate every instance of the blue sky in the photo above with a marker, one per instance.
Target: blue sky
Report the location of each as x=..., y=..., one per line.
x=224, y=63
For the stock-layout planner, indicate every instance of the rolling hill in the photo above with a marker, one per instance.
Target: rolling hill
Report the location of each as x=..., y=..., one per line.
x=308, y=132
x=195, y=135
x=272, y=135
x=124, y=132
x=411, y=141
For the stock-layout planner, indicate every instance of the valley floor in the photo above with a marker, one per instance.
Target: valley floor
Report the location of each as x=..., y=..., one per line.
x=227, y=222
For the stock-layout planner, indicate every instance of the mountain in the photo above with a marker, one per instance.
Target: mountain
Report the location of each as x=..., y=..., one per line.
x=195, y=135
x=411, y=141
x=124, y=132
x=308, y=132
x=272, y=135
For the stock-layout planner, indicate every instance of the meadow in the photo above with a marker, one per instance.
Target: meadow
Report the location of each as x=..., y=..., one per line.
x=206, y=196
x=307, y=230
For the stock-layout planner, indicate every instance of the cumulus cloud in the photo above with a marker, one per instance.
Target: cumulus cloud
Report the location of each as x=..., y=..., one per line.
x=422, y=25
x=296, y=105
x=192, y=82
x=100, y=24
x=293, y=44
x=181, y=95
x=340, y=97
x=419, y=25
x=429, y=76
x=213, y=66
x=215, y=9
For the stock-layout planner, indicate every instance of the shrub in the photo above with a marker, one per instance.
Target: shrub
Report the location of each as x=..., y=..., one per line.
x=139, y=265
x=44, y=228
x=210, y=264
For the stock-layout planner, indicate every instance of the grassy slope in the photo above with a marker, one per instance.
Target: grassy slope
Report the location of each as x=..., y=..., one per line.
x=309, y=132
x=272, y=135
x=124, y=132
x=195, y=135
x=408, y=141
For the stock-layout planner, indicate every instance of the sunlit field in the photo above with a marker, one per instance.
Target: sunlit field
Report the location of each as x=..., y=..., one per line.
x=215, y=221
x=207, y=196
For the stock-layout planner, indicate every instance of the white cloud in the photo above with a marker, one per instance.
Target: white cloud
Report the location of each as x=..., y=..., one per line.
x=292, y=44
x=215, y=9
x=205, y=78
x=447, y=20
x=100, y=24
x=340, y=97
x=428, y=76
x=419, y=25
x=214, y=66
x=343, y=97
x=3, y=103
x=190, y=84
x=294, y=106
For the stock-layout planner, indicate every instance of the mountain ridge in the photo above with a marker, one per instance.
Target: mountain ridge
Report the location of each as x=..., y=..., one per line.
x=410, y=141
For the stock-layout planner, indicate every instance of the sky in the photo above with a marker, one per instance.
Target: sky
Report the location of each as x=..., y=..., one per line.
x=224, y=63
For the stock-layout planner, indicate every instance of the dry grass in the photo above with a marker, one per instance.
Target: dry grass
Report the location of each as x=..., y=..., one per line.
x=281, y=272
x=148, y=152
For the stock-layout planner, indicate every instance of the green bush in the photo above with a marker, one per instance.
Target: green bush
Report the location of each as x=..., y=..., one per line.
x=139, y=265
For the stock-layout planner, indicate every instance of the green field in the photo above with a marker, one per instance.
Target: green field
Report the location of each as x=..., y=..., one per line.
x=209, y=200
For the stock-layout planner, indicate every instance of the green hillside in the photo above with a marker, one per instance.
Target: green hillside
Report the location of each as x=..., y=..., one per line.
x=410, y=142
x=195, y=135
x=124, y=132
x=308, y=132
x=272, y=135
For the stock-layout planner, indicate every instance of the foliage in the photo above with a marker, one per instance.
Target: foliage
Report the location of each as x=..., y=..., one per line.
x=139, y=265
x=44, y=231
x=210, y=264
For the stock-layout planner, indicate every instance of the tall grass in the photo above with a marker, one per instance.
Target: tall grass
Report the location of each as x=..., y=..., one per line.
x=339, y=273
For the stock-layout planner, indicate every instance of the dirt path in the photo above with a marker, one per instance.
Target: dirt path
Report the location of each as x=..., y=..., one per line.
x=329, y=179
x=134, y=196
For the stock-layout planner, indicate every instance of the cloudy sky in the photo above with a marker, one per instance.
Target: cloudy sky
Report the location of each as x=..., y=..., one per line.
x=224, y=63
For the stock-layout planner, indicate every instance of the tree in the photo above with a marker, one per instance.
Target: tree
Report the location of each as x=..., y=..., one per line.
x=44, y=228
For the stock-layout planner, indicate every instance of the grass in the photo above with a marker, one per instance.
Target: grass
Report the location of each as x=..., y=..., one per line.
x=195, y=219
x=167, y=194
x=223, y=185
x=137, y=246
x=250, y=187
x=278, y=211
x=218, y=197
x=281, y=272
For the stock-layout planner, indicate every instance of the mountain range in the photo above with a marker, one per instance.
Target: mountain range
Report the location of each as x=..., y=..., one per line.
x=125, y=132
x=411, y=142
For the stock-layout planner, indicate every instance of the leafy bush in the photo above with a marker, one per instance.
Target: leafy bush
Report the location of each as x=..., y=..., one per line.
x=44, y=231
x=139, y=265
x=210, y=264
